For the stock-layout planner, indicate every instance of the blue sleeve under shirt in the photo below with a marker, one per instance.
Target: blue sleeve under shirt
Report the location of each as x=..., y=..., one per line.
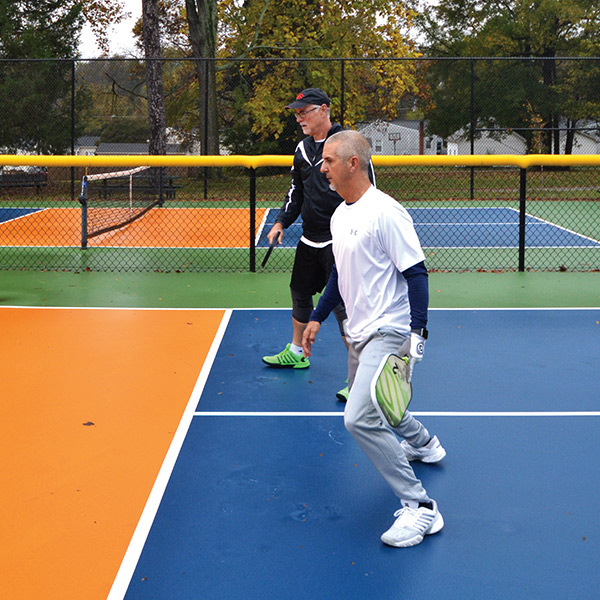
x=329, y=300
x=418, y=296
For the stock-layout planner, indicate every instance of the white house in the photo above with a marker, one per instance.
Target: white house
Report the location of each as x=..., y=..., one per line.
x=91, y=145
x=586, y=139
x=507, y=143
x=86, y=145
x=400, y=137
x=109, y=148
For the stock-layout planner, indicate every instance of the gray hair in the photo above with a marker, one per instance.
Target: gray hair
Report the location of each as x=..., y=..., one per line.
x=351, y=143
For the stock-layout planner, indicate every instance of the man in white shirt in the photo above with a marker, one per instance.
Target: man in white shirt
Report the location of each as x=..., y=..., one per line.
x=380, y=274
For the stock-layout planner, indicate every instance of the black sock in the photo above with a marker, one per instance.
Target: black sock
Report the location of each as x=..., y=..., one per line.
x=428, y=505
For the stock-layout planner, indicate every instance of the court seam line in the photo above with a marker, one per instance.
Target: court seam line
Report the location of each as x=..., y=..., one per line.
x=138, y=539
x=582, y=413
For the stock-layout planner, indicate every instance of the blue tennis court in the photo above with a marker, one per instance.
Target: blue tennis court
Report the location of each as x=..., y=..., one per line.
x=269, y=497
x=474, y=227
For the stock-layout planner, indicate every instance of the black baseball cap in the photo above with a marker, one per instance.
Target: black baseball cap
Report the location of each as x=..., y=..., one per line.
x=310, y=96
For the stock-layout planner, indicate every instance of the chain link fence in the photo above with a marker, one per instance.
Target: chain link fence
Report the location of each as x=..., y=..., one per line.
x=497, y=217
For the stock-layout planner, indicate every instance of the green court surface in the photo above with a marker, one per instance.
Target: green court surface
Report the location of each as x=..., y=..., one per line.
x=270, y=290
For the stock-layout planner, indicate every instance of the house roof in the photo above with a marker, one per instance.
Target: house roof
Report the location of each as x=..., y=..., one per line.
x=463, y=134
x=125, y=148
x=386, y=125
x=88, y=140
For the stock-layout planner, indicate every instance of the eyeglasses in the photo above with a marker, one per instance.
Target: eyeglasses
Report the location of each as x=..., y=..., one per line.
x=302, y=114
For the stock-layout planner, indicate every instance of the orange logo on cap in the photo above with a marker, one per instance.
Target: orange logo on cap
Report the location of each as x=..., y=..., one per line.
x=299, y=96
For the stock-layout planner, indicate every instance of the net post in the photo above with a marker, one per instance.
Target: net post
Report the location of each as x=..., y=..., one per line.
x=252, y=220
x=522, y=214
x=83, y=200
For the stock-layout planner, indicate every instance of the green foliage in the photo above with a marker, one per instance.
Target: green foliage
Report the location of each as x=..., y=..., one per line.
x=115, y=91
x=125, y=129
x=36, y=95
x=39, y=28
x=257, y=92
x=534, y=94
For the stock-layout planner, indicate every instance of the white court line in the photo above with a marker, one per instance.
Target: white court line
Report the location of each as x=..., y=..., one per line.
x=281, y=308
x=579, y=413
x=134, y=550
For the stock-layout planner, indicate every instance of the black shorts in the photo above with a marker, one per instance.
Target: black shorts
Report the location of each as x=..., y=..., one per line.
x=312, y=267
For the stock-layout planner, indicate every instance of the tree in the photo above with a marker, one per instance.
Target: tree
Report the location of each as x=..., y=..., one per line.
x=202, y=23
x=38, y=94
x=154, y=82
x=278, y=34
x=114, y=94
x=125, y=129
x=39, y=28
x=511, y=94
x=238, y=102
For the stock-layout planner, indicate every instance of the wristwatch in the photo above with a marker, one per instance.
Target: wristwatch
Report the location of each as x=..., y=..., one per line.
x=420, y=331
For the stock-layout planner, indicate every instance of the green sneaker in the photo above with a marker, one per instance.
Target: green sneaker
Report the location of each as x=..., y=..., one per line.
x=342, y=395
x=286, y=358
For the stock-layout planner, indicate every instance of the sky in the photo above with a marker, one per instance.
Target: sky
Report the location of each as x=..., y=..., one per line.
x=121, y=38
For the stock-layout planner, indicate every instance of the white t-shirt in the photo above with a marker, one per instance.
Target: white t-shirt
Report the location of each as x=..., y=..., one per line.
x=374, y=240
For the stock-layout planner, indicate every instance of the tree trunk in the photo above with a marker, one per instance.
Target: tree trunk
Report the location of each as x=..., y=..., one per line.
x=154, y=83
x=570, y=136
x=202, y=22
x=549, y=74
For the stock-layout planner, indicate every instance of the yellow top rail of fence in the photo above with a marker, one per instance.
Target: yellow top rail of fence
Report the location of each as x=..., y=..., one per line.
x=248, y=161
x=135, y=160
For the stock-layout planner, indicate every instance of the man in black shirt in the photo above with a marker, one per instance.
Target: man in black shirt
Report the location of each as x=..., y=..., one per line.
x=311, y=198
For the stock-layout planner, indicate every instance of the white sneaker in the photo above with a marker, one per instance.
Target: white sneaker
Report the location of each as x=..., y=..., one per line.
x=413, y=523
x=432, y=452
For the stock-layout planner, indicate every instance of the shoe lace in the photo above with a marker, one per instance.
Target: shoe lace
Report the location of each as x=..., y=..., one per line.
x=406, y=515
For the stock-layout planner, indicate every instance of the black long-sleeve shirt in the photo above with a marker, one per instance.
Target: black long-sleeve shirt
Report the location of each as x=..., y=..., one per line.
x=310, y=195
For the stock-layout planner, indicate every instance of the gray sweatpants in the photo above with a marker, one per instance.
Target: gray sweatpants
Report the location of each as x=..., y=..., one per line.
x=378, y=441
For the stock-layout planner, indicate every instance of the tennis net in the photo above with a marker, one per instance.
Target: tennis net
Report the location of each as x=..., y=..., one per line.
x=110, y=201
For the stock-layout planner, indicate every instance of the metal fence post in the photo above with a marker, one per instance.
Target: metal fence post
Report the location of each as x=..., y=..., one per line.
x=205, y=133
x=343, y=101
x=472, y=127
x=73, y=124
x=252, y=220
x=522, y=214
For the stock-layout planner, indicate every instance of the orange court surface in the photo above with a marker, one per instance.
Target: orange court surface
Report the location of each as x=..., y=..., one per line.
x=91, y=402
x=160, y=228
